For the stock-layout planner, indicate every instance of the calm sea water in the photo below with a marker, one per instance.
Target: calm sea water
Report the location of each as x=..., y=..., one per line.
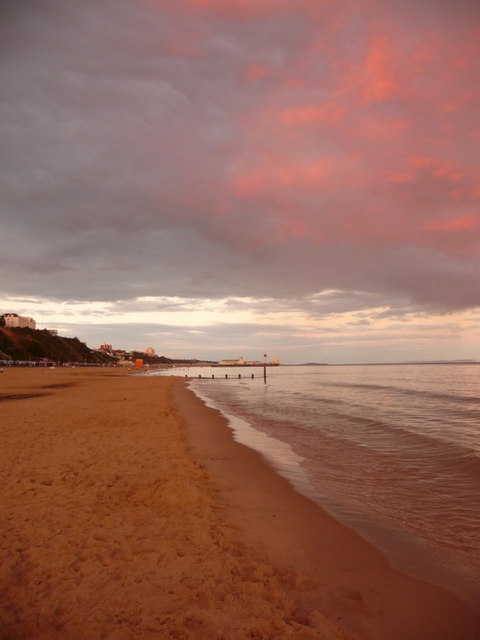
x=392, y=450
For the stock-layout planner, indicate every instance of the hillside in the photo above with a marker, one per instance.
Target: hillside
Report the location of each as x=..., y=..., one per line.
x=35, y=345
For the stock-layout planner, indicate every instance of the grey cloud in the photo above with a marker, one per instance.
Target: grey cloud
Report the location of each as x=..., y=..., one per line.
x=119, y=154
x=252, y=341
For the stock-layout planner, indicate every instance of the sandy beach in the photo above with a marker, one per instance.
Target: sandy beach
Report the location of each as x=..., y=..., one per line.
x=128, y=511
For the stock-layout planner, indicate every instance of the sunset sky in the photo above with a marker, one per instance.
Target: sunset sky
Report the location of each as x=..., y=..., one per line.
x=224, y=178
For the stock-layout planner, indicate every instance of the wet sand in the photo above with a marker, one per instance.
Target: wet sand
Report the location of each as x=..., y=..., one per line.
x=127, y=511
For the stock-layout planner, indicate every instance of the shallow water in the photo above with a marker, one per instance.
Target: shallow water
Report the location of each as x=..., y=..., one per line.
x=392, y=450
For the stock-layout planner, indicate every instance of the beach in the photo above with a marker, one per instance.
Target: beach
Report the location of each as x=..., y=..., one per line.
x=128, y=511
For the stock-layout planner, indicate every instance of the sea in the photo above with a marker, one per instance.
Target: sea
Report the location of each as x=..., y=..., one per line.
x=393, y=451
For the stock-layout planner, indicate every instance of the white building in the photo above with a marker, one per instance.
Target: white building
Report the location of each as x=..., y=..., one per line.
x=14, y=320
x=232, y=363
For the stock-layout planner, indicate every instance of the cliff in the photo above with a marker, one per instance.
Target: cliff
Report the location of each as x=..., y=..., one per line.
x=34, y=345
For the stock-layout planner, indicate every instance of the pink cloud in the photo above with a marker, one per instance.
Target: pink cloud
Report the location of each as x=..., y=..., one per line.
x=463, y=223
x=400, y=177
x=440, y=168
x=381, y=82
x=359, y=134
x=291, y=228
x=384, y=127
x=279, y=173
x=256, y=71
x=329, y=113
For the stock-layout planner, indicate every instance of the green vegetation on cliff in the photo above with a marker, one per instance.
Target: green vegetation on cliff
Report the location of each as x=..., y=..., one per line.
x=35, y=345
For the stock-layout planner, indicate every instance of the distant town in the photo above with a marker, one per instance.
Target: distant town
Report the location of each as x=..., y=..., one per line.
x=125, y=357
x=22, y=343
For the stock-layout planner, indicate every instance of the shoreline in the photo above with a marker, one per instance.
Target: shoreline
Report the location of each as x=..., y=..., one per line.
x=129, y=512
x=291, y=529
x=409, y=556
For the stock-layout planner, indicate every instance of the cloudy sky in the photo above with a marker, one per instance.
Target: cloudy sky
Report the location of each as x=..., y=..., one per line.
x=216, y=178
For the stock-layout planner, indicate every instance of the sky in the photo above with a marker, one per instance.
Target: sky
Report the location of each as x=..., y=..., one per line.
x=225, y=178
